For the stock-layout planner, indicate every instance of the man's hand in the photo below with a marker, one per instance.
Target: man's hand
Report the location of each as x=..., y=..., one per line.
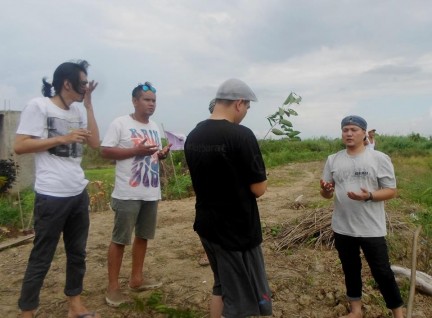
x=145, y=150
x=327, y=189
x=359, y=196
x=77, y=135
x=162, y=154
x=87, y=95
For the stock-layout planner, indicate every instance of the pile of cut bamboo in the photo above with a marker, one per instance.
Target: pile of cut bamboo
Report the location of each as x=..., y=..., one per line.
x=312, y=230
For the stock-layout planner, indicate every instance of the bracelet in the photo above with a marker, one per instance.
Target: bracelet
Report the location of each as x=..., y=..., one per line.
x=370, y=198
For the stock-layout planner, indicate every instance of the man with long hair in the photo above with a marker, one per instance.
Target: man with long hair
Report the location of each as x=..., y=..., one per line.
x=55, y=127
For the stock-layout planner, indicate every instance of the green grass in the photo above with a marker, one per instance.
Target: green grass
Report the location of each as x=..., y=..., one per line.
x=105, y=174
x=155, y=305
x=279, y=152
x=414, y=178
x=410, y=154
x=10, y=210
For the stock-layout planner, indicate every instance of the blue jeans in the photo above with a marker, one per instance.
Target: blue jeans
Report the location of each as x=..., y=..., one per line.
x=52, y=217
x=376, y=254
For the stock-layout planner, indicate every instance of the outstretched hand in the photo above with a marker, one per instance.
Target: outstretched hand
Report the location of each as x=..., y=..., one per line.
x=358, y=196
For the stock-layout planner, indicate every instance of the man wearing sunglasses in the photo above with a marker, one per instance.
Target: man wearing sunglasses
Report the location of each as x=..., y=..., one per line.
x=55, y=128
x=134, y=141
x=228, y=174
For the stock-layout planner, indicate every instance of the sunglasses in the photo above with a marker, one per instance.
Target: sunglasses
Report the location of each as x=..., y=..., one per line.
x=147, y=87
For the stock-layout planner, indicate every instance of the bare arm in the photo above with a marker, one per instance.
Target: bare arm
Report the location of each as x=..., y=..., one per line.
x=93, y=139
x=259, y=188
x=384, y=194
x=117, y=153
x=29, y=144
x=378, y=195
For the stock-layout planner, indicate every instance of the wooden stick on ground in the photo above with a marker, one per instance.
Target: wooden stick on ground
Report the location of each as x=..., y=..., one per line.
x=15, y=242
x=413, y=273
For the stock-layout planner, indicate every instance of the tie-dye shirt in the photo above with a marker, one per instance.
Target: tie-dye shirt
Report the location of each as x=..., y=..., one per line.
x=137, y=178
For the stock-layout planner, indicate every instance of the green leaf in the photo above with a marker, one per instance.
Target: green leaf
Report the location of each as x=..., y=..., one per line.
x=281, y=111
x=290, y=99
x=280, y=118
x=294, y=133
x=285, y=122
x=277, y=132
x=292, y=112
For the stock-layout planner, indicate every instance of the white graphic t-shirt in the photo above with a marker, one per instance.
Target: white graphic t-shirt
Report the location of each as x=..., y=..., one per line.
x=137, y=178
x=58, y=170
x=371, y=170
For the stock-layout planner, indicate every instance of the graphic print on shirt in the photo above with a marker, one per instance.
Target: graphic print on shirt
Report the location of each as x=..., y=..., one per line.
x=145, y=169
x=351, y=176
x=61, y=127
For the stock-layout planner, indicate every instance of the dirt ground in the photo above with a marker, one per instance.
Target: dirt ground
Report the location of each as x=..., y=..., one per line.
x=305, y=282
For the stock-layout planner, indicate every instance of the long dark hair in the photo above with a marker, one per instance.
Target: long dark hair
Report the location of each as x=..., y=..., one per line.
x=66, y=71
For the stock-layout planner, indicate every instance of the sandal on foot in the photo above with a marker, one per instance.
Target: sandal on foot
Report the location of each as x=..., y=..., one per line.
x=146, y=285
x=116, y=299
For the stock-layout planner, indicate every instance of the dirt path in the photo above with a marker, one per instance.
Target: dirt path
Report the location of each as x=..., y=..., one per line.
x=305, y=282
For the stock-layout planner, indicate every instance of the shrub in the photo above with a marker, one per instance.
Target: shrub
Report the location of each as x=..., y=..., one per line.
x=8, y=172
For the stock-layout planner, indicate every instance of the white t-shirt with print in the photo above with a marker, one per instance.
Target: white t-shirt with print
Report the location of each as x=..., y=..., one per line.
x=371, y=170
x=58, y=170
x=136, y=178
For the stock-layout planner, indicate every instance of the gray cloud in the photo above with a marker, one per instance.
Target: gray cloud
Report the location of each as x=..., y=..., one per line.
x=340, y=56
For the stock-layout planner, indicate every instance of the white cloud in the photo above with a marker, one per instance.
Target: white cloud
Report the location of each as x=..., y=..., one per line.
x=364, y=57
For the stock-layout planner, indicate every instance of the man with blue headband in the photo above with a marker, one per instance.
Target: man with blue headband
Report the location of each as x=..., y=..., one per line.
x=361, y=180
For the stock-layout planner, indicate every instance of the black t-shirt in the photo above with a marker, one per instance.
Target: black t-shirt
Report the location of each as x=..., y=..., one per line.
x=224, y=159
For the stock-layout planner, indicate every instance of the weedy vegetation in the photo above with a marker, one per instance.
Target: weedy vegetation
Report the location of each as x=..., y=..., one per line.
x=411, y=156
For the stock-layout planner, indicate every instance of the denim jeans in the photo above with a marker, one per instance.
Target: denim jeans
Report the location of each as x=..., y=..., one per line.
x=52, y=217
x=376, y=254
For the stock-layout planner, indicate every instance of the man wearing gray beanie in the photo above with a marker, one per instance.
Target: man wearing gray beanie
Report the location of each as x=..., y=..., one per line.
x=228, y=174
x=362, y=180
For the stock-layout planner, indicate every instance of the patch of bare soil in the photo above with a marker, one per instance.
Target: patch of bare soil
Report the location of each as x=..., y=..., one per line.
x=306, y=282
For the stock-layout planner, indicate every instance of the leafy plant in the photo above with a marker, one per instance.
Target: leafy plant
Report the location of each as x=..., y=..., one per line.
x=424, y=218
x=155, y=305
x=99, y=195
x=276, y=230
x=8, y=172
x=279, y=123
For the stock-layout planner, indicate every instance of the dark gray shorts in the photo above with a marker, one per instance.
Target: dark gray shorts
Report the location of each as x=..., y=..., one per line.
x=130, y=214
x=240, y=278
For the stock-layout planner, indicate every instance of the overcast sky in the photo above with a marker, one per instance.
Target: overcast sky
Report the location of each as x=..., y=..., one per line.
x=367, y=57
